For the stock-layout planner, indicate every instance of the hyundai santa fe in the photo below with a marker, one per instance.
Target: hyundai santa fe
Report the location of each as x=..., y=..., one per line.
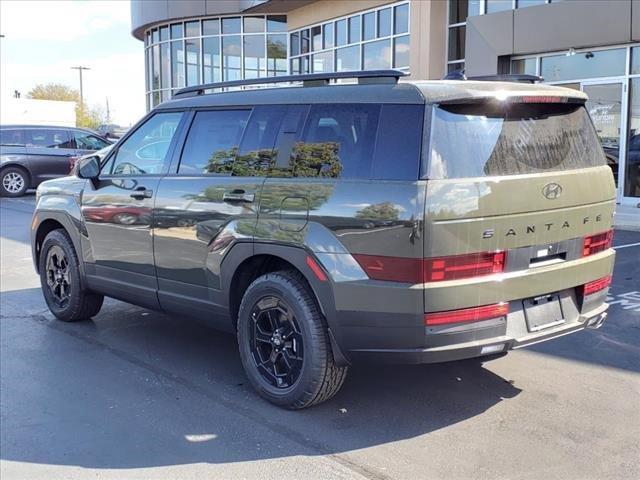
x=330, y=223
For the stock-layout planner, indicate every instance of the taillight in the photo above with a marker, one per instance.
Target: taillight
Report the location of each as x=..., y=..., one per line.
x=436, y=269
x=596, y=285
x=597, y=243
x=467, y=314
x=455, y=267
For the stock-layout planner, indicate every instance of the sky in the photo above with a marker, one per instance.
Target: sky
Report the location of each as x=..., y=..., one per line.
x=44, y=39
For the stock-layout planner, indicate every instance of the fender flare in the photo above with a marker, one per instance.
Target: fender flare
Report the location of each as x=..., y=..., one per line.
x=297, y=256
x=73, y=227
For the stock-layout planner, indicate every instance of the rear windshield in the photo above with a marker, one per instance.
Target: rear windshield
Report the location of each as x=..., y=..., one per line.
x=476, y=140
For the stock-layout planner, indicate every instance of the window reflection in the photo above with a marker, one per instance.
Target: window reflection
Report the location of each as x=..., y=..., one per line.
x=377, y=55
x=193, y=62
x=212, y=142
x=322, y=62
x=254, y=56
x=348, y=58
x=601, y=63
x=211, y=59
x=401, y=52
x=177, y=64
x=276, y=54
x=231, y=58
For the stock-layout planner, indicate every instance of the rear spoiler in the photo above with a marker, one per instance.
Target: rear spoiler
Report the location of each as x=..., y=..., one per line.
x=502, y=77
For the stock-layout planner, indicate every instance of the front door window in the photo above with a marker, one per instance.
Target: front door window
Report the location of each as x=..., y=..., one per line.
x=605, y=109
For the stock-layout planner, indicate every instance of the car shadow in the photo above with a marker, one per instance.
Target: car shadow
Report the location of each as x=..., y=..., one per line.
x=135, y=388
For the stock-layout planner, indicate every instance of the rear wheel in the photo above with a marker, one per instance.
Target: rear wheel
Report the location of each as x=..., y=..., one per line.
x=284, y=344
x=14, y=182
x=60, y=280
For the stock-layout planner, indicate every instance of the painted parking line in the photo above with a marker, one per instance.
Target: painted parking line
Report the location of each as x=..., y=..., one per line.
x=626, y=246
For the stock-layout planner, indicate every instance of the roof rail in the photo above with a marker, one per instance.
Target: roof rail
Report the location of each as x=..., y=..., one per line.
x=508, y=77
x=309, y=79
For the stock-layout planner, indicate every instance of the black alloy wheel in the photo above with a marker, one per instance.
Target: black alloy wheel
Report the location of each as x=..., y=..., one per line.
x=58, y=278
x=277, y=346
x=284, y=342
x=61, y=282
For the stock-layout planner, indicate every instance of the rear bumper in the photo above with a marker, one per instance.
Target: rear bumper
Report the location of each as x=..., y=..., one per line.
x=478, y=348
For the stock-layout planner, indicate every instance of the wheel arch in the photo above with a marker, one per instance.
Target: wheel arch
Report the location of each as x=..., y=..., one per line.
x=46, y=222
x=246, y=262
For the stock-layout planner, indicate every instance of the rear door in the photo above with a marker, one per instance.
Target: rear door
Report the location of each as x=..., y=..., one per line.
x=118, y=210
x=50, y=151
x=513, y=188
x=209, y=201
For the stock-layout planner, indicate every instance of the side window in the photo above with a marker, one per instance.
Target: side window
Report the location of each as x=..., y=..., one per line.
x=399, y=142
x=145, y=151
x=11, y=137
x=48, y=138
x=337, y=142
x=86, y=141
x=256, y=154
x=212, y=142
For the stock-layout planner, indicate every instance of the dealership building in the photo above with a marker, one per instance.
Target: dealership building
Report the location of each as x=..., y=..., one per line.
x=589, y=45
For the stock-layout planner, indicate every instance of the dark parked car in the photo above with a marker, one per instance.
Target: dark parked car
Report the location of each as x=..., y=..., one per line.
x=31, y=154
x=408, y=222
x=111, y=131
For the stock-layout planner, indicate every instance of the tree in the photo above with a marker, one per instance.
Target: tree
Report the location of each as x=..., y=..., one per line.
x=85, y=117
x=379, y=211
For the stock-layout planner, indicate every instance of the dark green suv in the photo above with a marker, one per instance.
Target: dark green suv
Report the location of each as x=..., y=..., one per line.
x=408, y=222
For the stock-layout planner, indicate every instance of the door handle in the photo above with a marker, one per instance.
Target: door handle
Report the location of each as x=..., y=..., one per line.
x=141, y=193
x=238, y=196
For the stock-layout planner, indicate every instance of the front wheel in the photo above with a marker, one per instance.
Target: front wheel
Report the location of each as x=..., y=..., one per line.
x=284, y=344
x=60, y=280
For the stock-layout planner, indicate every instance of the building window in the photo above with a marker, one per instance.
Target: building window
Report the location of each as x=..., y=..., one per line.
x=373, y=39
x=217, y=49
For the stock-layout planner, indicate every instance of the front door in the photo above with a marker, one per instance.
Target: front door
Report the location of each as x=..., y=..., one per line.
x=118, y=211
x=209, y=201
x=605, y=109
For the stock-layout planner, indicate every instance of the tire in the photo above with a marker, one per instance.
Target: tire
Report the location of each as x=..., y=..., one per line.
x=60, y=280
x=14, y=182
x=285, y=297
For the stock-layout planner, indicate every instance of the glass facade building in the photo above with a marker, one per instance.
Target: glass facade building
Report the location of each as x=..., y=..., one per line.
x=207, y=50
x=368, y=40
x=234, y=47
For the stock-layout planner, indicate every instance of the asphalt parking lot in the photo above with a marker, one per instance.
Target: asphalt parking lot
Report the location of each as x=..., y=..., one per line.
x=137, y=394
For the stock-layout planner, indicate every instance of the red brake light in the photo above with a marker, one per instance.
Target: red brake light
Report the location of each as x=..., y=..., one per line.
x=467, y=314
x=463, y=266
x=596, y=285
x=436, y=269
x=597, y=243
x=542, y=99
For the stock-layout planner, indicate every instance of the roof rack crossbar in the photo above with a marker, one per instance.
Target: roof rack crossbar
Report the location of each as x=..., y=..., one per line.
x=309, y=79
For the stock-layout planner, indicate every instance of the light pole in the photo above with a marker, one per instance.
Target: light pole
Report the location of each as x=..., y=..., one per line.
x=80, y=68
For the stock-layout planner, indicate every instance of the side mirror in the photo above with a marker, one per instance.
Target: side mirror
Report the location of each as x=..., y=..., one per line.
x=89, y=167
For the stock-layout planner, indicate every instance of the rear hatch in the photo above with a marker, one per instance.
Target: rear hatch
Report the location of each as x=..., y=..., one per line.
x=514, y=188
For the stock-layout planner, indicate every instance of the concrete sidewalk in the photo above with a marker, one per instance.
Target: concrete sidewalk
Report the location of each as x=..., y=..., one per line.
x=627, y=217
